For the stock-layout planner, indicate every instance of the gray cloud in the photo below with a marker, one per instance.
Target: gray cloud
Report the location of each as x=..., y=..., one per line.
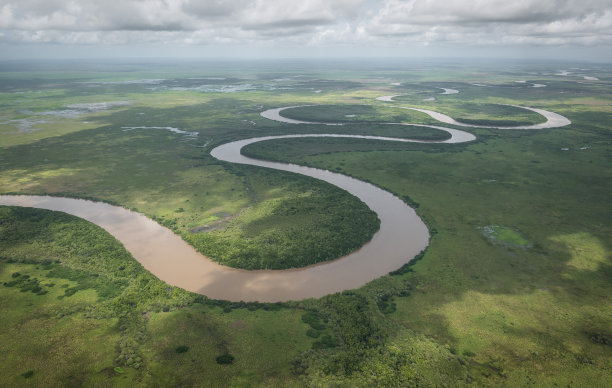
x=312, y=23
x=496, y=21
x=487, y=11
x=215, y=8
x=176, y=15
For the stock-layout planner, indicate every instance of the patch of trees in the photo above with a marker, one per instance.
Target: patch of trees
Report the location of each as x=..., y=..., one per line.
x=297, y=232
x=69, y=248
x=493, y=123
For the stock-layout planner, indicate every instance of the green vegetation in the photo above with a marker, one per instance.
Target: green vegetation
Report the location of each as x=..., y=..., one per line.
x=505, y=310
x=225, y=359
x=367, y=120
x=320, y=224
x=503, y=235
x=524, y=304
x=481, y=114
x=91, y=337
x=333, y=113
x=492, y=123
x=280, y=215
x=293, y=150
x=348, y=114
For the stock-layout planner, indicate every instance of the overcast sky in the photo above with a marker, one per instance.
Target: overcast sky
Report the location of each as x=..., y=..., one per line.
x=561, y=29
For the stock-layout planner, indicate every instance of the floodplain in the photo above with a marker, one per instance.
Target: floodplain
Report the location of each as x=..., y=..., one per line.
x=513, y=289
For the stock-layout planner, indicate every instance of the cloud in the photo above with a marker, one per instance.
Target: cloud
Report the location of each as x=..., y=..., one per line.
x=155, y=15
x=325, y=23
x=486, y=11
x=495, y=21
x=214, y=9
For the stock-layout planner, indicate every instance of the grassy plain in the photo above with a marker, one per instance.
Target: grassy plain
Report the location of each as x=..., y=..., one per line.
x=531, y=310
x=96, y=309
x=543, y=316
x=478, y=114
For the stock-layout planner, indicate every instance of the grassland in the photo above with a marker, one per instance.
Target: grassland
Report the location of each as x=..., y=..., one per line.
x=529, y=306
x=350, y=113
x=505, y=326
x=99, y=318
x=504, y=235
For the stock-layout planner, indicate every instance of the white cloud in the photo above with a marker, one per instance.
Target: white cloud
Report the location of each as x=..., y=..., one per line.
x=495, y=21
x=169, y=14
x=324, y=23
x=486, y=11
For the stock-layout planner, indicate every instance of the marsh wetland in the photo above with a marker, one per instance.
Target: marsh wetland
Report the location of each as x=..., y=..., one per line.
x=504, y=281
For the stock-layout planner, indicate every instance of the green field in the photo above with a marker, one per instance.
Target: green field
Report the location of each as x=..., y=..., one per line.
x=350, y=114
x=503, y=235
x=512, y=291
x=479, y=114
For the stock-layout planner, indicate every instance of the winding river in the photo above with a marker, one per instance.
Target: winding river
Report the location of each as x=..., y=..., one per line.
x=402, y=234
